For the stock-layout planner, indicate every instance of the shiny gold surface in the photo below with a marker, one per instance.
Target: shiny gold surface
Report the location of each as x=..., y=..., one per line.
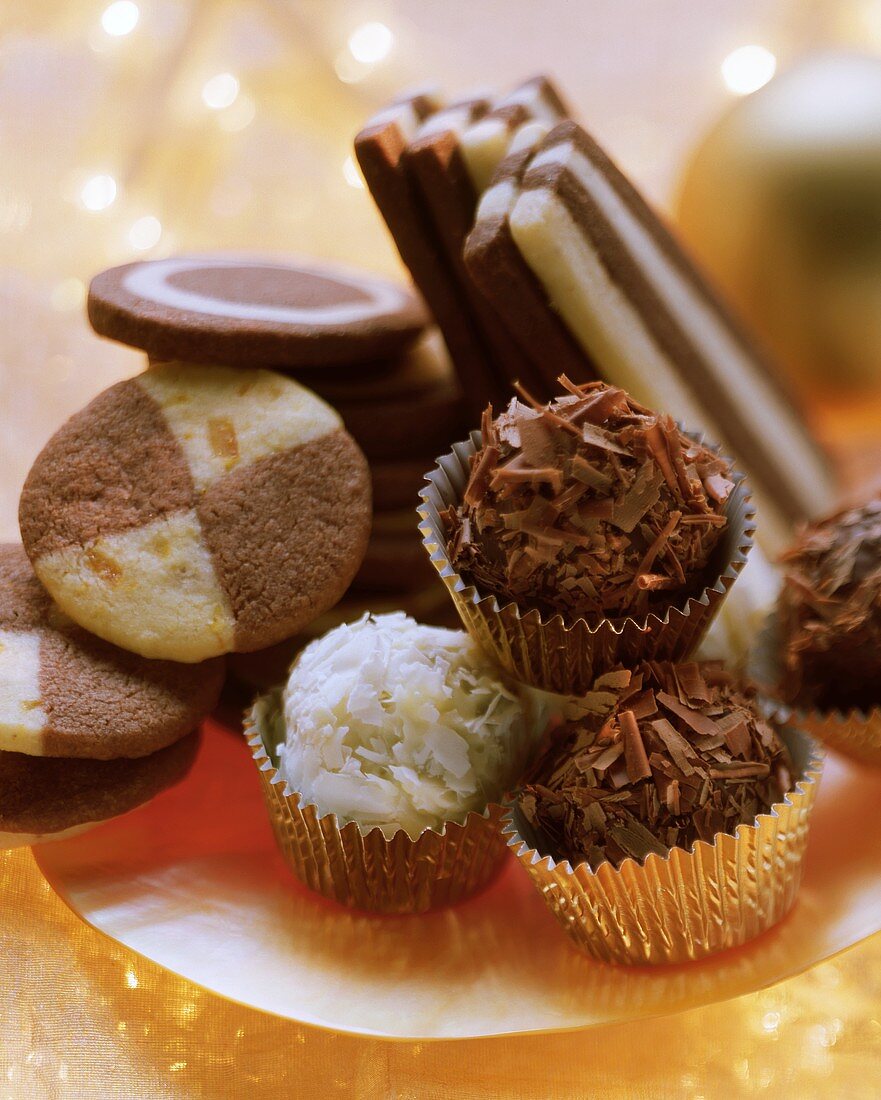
x=195, y=882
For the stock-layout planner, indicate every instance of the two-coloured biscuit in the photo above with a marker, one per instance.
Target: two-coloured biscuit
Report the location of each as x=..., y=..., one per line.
x=49, y=798
x=66, y=693
x=193, y=511
x=253, y=310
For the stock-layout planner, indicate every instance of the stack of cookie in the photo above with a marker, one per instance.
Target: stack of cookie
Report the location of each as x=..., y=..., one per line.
x=197, y=510
x=361, y=343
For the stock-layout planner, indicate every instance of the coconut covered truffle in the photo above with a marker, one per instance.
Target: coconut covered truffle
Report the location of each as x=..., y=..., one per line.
x=393, y=724
x=829, y=612
x=591, y=505
x=660, y=757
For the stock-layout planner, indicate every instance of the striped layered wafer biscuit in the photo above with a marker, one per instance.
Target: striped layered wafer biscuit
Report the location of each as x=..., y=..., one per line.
x=50, y=799
x=380, y=148
x=502, y=275
x=194, y=511
x=66, y=693
x=452, y=159
x=647, y=320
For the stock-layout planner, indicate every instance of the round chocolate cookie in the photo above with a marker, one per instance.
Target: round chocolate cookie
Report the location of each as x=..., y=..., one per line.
x=46, y=799
x=423, y=366
x=396, y=484
x=401, y=427
x=252, y=310
x=64, y=692
x=193, y=511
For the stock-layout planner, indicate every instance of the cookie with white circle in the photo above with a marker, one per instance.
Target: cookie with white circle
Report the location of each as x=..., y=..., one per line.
x=251, y=310
x=66, y=693
x=194, y=511
x=43, y=798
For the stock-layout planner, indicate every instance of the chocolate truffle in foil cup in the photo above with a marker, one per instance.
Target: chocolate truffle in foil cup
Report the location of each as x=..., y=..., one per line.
x=670, y=825
x=621, y=546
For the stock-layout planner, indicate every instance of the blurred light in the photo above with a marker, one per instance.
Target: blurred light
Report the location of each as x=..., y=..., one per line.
x=352, y=173
x=371, y=43
x=145, y=233
x=348, y=69
x=68, y=295
x=746, y=69
x=98, y=193
x=220, y=91
x=120, y=18
x=237, y=116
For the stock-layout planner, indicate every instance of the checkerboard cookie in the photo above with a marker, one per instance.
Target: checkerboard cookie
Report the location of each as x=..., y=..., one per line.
x=193, y=511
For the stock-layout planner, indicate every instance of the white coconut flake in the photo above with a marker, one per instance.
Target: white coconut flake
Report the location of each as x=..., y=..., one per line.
x=393, y=724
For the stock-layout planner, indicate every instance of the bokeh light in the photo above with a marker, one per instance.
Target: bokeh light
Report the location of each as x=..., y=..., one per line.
x=99, y=192
x=371, y=43
x=748, y=68
x=352, y=173
x=220, y=91
x=120, y=18
x=145, y=232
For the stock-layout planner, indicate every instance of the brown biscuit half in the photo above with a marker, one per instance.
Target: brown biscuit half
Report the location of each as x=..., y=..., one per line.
x=66, y=693
x=41, y=798
x=252, y=310
x=506, y=281
x=196, y=510
x=380, y=148
x=438, y=160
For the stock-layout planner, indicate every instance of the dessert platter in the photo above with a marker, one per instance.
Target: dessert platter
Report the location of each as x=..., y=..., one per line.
x=451, y=660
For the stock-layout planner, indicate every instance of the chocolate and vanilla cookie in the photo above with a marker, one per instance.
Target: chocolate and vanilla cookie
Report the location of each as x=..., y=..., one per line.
x=193, y=511
x=45, y=799
x=250, y=310
x=64, y=692
x=645, y=319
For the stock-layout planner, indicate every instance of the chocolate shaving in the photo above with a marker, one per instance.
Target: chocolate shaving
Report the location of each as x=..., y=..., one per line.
x=627, y=782
x=592, y=506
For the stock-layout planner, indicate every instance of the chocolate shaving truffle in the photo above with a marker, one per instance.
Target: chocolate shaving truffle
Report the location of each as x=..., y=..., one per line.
x=829, y=612
x=659, y=758
x=591, y=505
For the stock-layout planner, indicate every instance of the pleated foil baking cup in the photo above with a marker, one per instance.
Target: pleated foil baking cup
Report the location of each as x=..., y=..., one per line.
x=369, y=871
x=548, y=653
x=688, y=904
x=853, y=733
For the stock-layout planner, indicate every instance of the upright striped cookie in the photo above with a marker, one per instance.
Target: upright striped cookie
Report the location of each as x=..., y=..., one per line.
x=601, y=263
x=66, y=693
x=194, y=511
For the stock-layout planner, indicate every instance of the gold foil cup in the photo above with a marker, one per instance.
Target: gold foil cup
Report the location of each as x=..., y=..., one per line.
x=853, y=733
x=688, y=904
x=566, y=658
x=369, y=871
